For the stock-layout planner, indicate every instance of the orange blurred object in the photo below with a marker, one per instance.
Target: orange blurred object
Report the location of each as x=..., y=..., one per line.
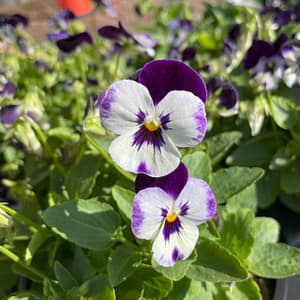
x=78, y=7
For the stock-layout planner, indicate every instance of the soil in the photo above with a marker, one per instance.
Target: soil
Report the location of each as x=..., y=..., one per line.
x=39, y=11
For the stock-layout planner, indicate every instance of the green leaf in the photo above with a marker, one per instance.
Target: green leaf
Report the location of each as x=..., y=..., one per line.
x=100, y=289
x=215, y=263
x=87, y=223
x=124, y=199
x=238, y=232
x=198, y=164
x=123, y=262
x=64, y=277
x=146, y=282
x=267, y=189
x=244, y=290
x=291, y=201
x=263, y=148
x=228, y=182
x=176, y=272
x=267, y=231
x=35, y=243
x=8, y=278
x=81, y=266
x=284, y=112
x=275, y=261
x=82, y=176
x=247, y=198
x=289, y=179
x=219, y=144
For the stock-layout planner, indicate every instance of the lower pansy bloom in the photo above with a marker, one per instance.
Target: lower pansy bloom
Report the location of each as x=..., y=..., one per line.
x=149, y=130
x=171, y=218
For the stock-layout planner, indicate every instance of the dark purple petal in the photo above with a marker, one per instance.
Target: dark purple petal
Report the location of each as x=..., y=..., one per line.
x=234, y=32
x=279, y=42
x=163, y=76
x=9, y=114
x=110, y=32
x=172, y=183
x=229, y=96
x=283, y=17
x=66, y=15
x=70, y=43
x=55, y=36
x=16, y=20
x=171, y=228
x=297, y=12
x=9, y=89
x=258, y=49
x=188, y=53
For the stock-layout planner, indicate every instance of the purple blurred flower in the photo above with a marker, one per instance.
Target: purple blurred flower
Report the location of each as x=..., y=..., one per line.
x=55, y=36
x=188, y=53
x=149, y=117
x=10, y=113
x=144, y=41
x=70, y=43
x=8, y=89
x=177, y=33
x=227, y=96
x=59, y=22
x=14, y=20
x=291, y=55
x=169, y=212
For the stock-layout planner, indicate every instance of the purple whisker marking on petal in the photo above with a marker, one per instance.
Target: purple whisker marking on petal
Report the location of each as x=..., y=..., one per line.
x=106, y=103
x=200, y=119
x=164, y=120
x=175, y=254
x=164, y=212
x=141, y=116
x=171, y=227
x=137, y=217
x=142, y=168
x=143, y=135
x=184, y=209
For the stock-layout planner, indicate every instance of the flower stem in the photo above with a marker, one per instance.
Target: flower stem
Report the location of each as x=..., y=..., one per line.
x=18, y=260
x=21, y=218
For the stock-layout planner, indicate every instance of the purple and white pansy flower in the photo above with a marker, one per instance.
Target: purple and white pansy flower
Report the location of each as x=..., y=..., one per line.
x=163, y=110
x=170, y=216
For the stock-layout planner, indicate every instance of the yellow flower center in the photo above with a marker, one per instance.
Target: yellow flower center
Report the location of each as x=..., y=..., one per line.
x=172, y=218
x=152, y=125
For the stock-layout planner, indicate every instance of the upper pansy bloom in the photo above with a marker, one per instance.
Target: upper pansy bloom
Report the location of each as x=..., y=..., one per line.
x=72, y=42
x=170, y=216
x=144, y=41
x=291, y=54
x=165, y=108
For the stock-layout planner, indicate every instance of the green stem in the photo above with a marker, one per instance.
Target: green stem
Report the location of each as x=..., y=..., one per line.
x=21, y=218
x=117, y=65
x=18, y=260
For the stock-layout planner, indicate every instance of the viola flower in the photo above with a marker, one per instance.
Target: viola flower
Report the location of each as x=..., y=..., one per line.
x=60, y=21
x=227, y=96
x=7, y=88
x=177, y=33
x=269, y=71
x=163, y=110
x=120, y=34
x=291, y=75
x=170, y=216
x=10, y=113
x=70, y=43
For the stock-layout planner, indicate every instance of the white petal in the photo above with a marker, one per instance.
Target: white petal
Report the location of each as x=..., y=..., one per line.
x=290, y=76
x=147, y=213
x=122, y=103
x=187, y=123
x=147, y=159
x=179, y=245
x=196, y=201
